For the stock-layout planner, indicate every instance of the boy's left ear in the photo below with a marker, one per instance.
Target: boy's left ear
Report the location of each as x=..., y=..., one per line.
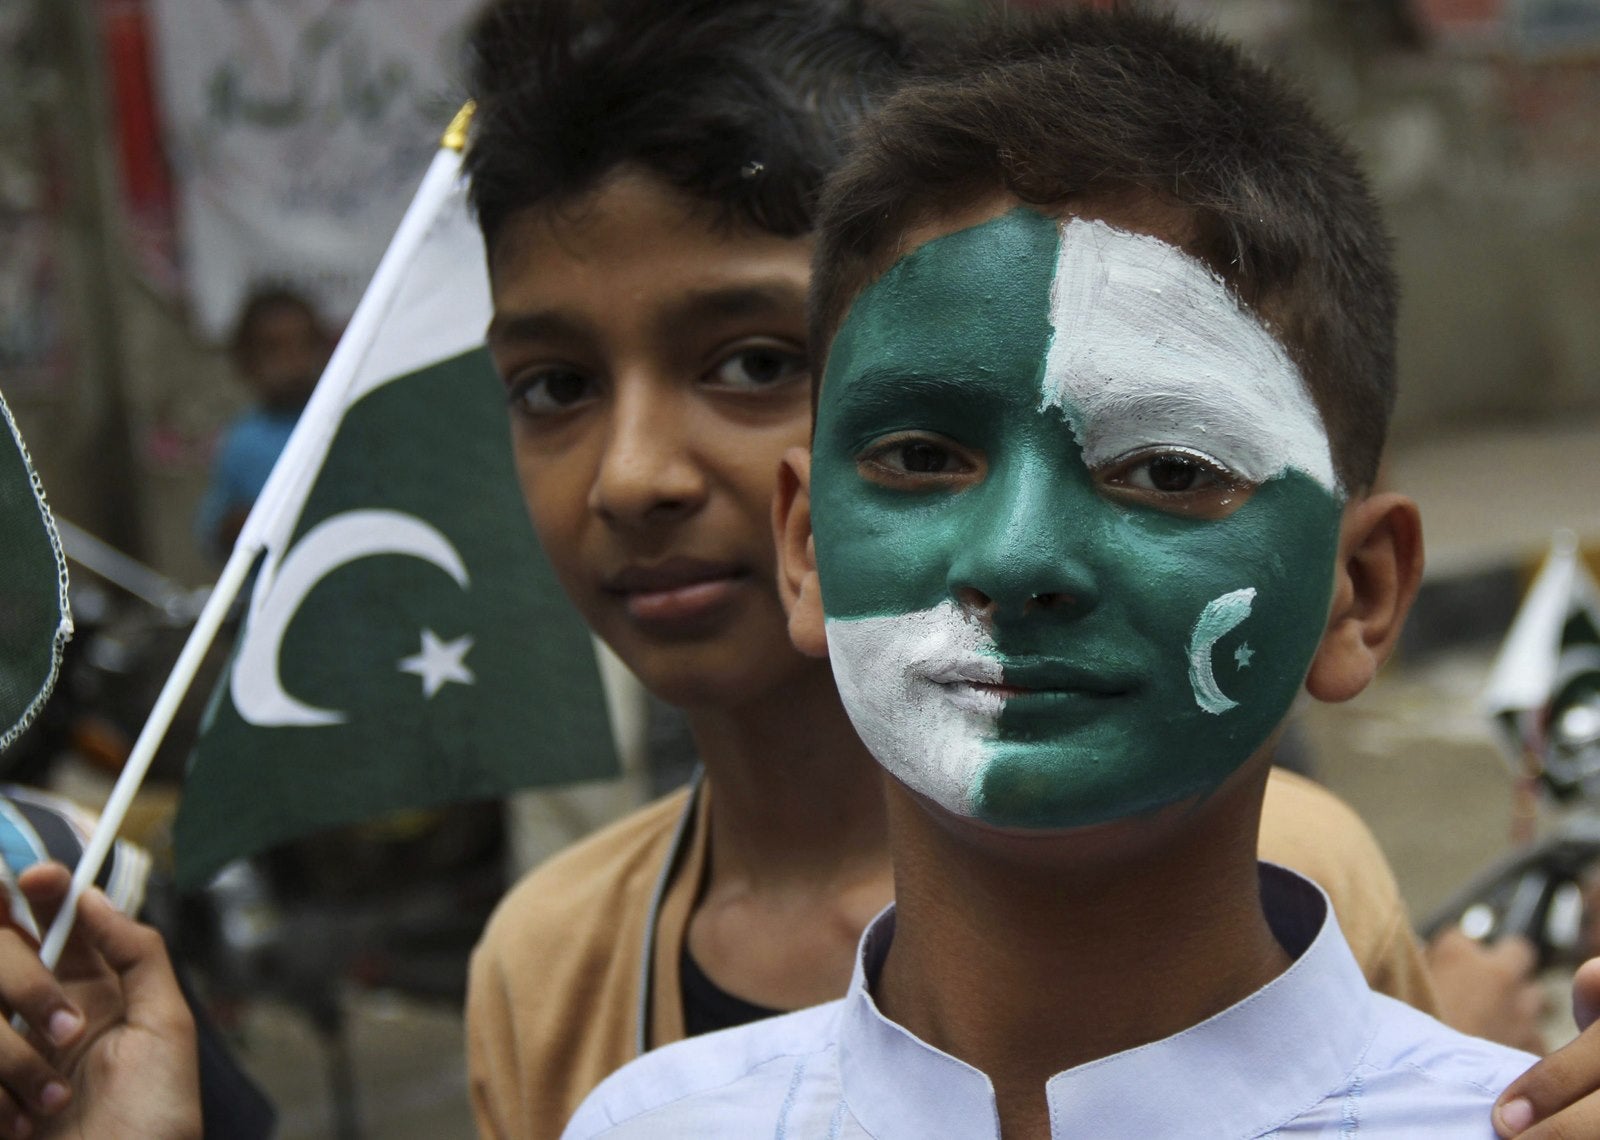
x=1375, y=582
x=798, y=586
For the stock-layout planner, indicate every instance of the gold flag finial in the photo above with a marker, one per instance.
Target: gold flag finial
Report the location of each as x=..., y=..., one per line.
x=455, y=135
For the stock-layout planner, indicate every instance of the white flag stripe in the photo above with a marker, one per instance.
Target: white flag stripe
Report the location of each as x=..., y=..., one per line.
x=442, y=307
x=276, y=510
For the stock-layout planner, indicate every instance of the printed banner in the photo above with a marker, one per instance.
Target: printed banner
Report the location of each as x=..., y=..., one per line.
x=297, y=130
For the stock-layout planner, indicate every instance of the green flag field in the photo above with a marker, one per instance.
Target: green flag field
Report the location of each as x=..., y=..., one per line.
x=405, y=643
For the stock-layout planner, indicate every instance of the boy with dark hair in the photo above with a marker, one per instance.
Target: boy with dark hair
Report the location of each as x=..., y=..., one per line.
x=1107, y=319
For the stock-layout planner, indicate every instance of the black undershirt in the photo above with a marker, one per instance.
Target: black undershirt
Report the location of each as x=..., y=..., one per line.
x=707, y=1006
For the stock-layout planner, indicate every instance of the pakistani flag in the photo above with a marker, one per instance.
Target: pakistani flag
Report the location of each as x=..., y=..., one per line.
x=34, y=620
x=405, y=642
x=1543, y=693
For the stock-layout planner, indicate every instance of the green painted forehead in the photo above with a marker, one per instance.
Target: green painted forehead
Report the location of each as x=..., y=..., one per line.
x=991, y=283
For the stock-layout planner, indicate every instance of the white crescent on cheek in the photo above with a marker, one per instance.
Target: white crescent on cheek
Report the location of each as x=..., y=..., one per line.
x=911, y=684
x=1220, y=617
x=1150, y=347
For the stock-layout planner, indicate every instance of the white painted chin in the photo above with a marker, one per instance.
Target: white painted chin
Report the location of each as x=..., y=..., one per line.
x=913, y=686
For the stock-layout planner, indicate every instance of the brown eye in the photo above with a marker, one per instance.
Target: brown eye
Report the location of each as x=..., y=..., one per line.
x=1171, y=473
x=1174, y=473
x=918, y=461
x=757, y=367
x=923, y=458
x=551, y=392
x=1175, y=480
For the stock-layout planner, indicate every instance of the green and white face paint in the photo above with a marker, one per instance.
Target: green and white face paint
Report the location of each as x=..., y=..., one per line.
x=1075, y=520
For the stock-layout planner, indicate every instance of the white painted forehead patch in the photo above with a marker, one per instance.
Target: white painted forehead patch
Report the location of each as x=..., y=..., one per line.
x=1151, y=348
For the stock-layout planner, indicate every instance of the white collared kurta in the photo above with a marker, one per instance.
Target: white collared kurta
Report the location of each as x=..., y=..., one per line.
x=1314, y=1053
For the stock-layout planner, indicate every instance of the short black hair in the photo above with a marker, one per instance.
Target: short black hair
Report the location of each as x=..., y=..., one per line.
x=1076, y=104
x=745, y=105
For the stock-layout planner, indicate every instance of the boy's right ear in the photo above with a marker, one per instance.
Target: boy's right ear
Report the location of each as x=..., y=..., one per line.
x=798, y=586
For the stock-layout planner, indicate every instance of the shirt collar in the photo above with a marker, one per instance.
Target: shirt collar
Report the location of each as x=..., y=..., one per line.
x=1318, y=1011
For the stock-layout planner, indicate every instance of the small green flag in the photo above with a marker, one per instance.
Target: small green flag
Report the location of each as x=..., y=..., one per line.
x=1543, y=693
x=406, y=643
x=35, y=622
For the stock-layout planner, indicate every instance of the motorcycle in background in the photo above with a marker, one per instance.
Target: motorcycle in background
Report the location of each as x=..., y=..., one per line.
x=1542, y=891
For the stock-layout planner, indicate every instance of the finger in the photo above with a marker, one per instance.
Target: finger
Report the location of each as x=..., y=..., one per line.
x=1586, y=993
x=30, y=990
x=15, y=1123
x=1567, y=1076
x=138, y=954
x=1579, y=1122
x=46, y=886
x=33, y=1084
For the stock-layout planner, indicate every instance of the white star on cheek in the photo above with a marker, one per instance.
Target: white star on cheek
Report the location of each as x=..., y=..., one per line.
x=439, y=663
x=1242, y=655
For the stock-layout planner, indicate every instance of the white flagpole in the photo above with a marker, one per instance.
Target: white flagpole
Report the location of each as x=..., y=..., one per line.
x=144, y=749
x=273, y=515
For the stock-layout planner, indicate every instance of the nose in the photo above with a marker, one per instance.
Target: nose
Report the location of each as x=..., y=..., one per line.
x=648, y=472
x=1029, y=550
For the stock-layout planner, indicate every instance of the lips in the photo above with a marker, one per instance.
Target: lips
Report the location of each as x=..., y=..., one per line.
x=1011, y=677
x=986, y=685
x=1045, y=676
x=676, y=592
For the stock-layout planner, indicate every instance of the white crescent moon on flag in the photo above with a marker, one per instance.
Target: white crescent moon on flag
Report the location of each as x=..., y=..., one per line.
x=257, y=690
x=1220, y=618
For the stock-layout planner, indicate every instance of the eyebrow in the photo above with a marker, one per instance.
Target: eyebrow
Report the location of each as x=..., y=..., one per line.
x=748, y=299
x=725, y=302
x=883, y=391
x=546, y=325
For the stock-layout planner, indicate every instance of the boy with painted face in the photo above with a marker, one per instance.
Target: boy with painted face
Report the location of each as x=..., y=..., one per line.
x=1107, y=320
x=1111, y=485
x=645, y=179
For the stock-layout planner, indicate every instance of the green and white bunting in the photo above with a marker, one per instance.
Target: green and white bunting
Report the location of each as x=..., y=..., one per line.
x=35, y=622
x=405, y=642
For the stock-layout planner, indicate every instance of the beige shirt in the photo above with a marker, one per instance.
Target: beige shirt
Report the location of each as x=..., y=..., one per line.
x=557, y=980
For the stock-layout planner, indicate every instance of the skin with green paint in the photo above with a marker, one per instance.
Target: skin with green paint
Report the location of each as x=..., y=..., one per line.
x=937, y=480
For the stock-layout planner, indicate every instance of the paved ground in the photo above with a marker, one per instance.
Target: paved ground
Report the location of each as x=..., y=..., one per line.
x=411, y=1080
x=1412, y=756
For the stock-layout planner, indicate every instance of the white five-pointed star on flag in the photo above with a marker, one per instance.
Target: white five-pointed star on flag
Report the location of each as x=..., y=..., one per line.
x=439, y=663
